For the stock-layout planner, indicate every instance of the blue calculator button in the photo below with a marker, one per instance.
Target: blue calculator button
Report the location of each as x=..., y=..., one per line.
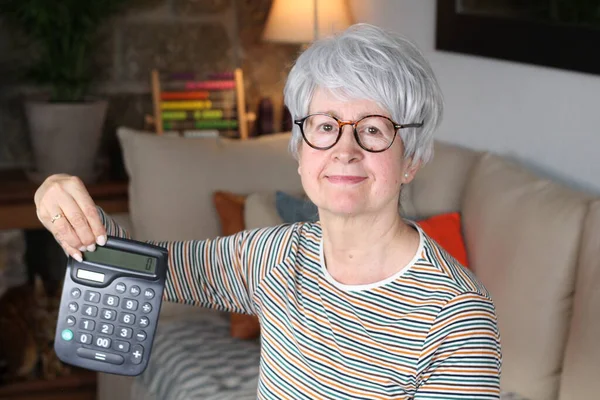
x=67, y=335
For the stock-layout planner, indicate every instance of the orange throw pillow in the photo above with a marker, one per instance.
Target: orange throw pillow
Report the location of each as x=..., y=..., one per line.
x=230, y=208
x=446, y=230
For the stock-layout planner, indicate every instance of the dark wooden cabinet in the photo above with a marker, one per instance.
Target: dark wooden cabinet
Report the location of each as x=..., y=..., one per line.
x=80, y=385
x=17, y=209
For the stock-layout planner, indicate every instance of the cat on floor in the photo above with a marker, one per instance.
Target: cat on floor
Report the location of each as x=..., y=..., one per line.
x=27, y=327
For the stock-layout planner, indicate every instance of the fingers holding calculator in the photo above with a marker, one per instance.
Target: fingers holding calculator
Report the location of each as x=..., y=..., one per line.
x=66, y=209
x=112, y=294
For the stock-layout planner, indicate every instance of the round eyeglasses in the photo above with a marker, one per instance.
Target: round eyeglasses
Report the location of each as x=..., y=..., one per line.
x=374, y=133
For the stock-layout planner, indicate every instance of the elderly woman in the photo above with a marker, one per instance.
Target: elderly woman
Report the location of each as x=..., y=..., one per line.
x=361, y=304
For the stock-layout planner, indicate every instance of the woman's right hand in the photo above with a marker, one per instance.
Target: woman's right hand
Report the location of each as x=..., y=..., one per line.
x=65, y=208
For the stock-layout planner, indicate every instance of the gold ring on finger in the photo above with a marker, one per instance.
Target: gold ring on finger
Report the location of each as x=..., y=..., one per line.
x=57, y=216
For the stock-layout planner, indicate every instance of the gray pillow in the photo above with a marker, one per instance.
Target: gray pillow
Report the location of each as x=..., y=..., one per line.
x=293, y=209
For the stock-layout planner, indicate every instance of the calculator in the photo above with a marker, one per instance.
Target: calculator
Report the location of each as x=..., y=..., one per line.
x=110, y=305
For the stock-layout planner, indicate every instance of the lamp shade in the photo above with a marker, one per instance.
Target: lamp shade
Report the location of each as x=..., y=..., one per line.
x=302, y=21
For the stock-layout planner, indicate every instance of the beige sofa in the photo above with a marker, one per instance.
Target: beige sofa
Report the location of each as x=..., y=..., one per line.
x=534, y=243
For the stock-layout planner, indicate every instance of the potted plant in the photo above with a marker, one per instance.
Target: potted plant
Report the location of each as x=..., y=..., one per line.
x=66, y=124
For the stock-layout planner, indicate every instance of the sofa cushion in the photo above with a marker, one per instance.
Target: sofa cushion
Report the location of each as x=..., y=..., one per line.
x=172, y=179
x=581, y=367
x=230, y=209
x=261, y=211
x=293, y=209
x=438, y=187
x=446, y=230
x=522, y=235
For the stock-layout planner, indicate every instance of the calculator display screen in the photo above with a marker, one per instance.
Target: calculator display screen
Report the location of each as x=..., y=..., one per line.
x=122, y=259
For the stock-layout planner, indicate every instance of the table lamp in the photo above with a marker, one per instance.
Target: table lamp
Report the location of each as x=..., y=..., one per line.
x=302, y=21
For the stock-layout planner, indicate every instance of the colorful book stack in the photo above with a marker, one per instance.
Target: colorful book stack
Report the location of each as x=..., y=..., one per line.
x=186, y=103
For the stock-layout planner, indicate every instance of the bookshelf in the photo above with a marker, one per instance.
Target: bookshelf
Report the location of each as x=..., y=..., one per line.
x=213, y=104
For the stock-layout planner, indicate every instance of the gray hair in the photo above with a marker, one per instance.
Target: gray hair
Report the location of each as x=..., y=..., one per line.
x=367, y=62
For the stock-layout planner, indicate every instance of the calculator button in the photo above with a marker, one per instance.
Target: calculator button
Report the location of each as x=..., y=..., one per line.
x=134, y=290
x=144, y=321
x=138, y=353
x=149, y=294
x=87, y=324
x=84, y=338
x=92, y=297
x=90, y=311
x=129, y=304
x=103, y=342
x=75, y=293
x=121, y=346
x=125, y=332
x=71, y=320
x=147, y=308
x=120, y=288
x=110, y=315
x=141, y=335
x=107, y=329
x=100, y=356
x=67, y=335
x=127, y=318
x=110, y=300
x=73, y=307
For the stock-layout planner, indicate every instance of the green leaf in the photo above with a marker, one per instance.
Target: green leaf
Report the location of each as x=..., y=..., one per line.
x=63, y=31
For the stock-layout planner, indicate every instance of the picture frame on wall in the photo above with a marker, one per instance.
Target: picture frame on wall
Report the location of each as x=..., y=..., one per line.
x=562, y=34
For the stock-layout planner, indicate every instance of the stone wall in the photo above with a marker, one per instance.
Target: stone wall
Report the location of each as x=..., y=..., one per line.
x=172, y=35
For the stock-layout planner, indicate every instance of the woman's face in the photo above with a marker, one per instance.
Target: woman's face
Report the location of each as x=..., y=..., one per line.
x=347, y=180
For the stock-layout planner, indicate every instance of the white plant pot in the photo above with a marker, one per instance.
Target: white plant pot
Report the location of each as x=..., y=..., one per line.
x=65, y=138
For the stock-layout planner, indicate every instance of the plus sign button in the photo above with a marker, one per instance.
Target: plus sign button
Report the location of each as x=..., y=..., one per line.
x=137, y=354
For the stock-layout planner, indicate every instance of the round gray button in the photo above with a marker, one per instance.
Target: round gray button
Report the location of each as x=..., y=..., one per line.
x=75, y=293
x=149, y=293
x=120, y=287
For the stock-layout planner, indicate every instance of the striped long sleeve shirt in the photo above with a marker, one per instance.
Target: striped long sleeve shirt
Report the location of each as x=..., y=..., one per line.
x=428, y=332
